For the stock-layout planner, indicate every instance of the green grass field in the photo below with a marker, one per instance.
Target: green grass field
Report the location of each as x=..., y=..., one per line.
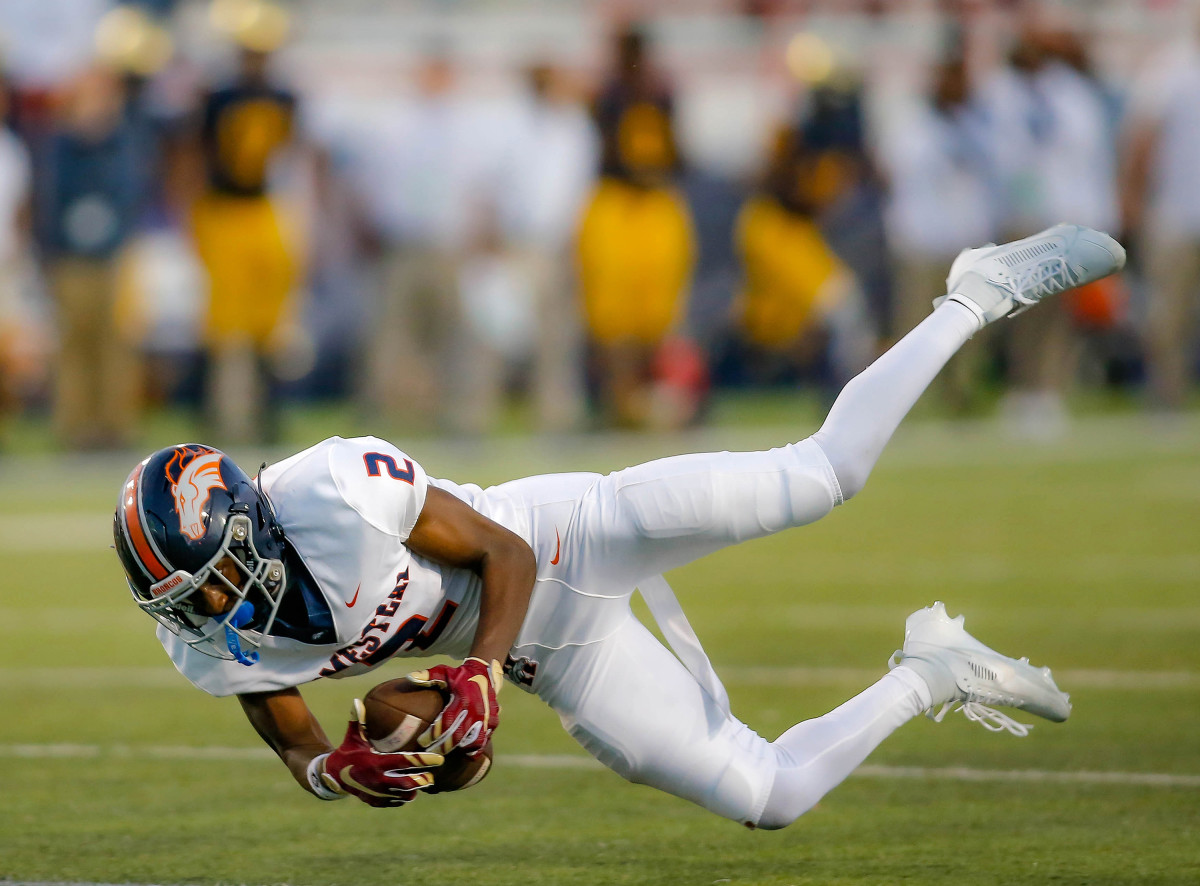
x=1081, y=554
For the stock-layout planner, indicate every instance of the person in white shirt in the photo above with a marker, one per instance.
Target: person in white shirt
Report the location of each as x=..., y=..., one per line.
x=423, y=166
x=551, y=172
x=1161, y=195
x=939, y=196
x=347, y=554
x=1054, y=157
x=518, y=282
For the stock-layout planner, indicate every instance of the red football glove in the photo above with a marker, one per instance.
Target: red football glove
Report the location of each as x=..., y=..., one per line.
x=472, y=714
x=378, y=779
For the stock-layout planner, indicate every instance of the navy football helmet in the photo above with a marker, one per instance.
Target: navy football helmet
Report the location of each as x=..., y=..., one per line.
x=183, y=511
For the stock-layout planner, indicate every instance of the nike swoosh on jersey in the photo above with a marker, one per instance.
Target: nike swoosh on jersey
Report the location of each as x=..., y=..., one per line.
x=557, y=546
x=354, y=599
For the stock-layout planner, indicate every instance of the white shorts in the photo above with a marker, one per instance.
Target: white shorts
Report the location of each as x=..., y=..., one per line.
x=618, y=691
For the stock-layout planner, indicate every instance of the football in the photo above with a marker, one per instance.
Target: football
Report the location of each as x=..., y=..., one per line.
x=396, y=712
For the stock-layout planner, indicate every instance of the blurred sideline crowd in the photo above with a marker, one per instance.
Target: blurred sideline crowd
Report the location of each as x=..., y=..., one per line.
x=228, y=234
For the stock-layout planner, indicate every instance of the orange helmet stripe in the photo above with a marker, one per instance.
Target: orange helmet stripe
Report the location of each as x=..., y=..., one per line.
x=133, y=524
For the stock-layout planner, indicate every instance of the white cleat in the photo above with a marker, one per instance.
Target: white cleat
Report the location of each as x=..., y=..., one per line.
x=964, y=674
x=999, y=281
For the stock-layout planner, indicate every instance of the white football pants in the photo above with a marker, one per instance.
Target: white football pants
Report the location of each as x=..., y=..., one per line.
x=618, y=691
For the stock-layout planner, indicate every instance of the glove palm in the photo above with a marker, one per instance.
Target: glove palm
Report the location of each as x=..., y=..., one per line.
x=378, y=779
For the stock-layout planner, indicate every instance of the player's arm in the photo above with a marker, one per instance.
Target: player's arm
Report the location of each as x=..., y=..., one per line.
x=286, y=724
x=454, y=534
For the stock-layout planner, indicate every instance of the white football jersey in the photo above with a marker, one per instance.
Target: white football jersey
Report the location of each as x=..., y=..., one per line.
x=347, y=508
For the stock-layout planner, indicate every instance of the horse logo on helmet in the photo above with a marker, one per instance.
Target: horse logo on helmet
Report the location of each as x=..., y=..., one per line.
x=192, y=487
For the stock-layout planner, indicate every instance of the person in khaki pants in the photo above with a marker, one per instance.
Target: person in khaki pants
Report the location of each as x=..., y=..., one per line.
x=87, y=205
x=1161, y=204
x=636, y=245
x=98, y=384
x=940, y=196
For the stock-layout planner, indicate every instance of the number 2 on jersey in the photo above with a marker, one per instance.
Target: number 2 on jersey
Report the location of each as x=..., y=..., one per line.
x=374, y=459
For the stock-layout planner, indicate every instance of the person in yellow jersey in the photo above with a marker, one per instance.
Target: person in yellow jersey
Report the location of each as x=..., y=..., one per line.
x=793, y=283
x=240, y=236
x=636, y=249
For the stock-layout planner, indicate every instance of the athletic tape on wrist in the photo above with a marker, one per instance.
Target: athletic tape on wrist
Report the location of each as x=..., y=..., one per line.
x=315, y=767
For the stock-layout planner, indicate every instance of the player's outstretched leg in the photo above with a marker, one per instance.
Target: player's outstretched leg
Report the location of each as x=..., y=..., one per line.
x=651, y=518
x=985, y=284
x=940, y=666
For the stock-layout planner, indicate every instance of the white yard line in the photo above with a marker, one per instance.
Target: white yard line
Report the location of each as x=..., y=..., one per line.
x=578, y=762
x=164, y=677
x=1069, y=679
x=91, y=678
x=963, y=773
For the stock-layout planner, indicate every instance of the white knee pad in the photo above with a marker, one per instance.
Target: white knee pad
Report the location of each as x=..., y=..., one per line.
x=730, y=775
x=792, y=792
x=742, y=791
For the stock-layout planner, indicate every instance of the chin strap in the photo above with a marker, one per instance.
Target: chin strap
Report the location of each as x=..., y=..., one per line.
x=241, y=617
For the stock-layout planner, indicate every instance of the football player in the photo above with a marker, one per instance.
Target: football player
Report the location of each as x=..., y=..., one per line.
x=347, y=554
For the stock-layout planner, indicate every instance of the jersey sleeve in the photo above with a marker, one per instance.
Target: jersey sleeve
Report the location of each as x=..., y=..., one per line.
x=381, y=483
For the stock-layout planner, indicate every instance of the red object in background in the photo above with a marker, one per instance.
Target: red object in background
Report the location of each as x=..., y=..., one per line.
x=1099, y=305
x=679, y=363
x=32, y=110
x=680, y=383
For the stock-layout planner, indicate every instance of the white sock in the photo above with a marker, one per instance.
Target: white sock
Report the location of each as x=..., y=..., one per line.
x=815, y=756
x=873, y=403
